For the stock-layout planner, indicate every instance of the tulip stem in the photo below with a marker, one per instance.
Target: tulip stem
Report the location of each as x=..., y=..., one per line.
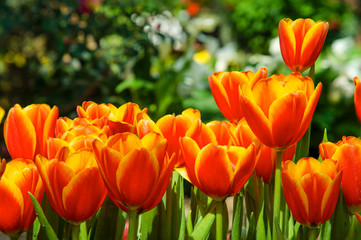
x=133, y=225
x=313, y=233
x=219, y=220
x=75, y=230
x=277, y=195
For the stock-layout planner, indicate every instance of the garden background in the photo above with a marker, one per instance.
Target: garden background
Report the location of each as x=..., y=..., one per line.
x=159, y=54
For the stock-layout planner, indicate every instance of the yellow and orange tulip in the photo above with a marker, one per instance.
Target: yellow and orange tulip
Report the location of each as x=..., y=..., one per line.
x=301, y=42
x=266, y=163
x=347, y=154
x=73, y=184
x=27, y=130
x=279, y=109
x=135, y=171
x=16, y=209
x=357, y=98
x=311, y=189
x=225, y=90
x=218, y=171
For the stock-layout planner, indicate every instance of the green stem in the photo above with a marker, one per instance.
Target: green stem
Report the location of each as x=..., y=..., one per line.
x=169, y=210
x=75, y=230
x=277, y=195
x=133, y=225
x=313, y=233
x=219, y=220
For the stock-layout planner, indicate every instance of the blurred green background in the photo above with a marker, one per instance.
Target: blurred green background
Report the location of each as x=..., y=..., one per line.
x=159, y=54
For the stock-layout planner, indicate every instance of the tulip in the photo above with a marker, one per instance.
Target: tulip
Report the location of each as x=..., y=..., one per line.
x=218, y=171
x=73, y=184
x=174, y=127
x=2, y=113
x=16, y=210
x=266, y=163
x=311, y=189
x=225, y=90
x=136, y=171
x=347, y=154
x=301, y=42
x=279, y=109
x=27, y=130
x=357, y=97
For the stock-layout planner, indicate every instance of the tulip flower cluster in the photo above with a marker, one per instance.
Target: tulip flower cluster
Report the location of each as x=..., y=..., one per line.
x=111, y=167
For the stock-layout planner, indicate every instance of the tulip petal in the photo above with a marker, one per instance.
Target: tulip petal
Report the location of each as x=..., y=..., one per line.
x=312, y=44
x=315, y=185
x=190, y=151
x=11, y=209
x=287, y=43
x=296, y=198
x=84, y=194
x=330, y=197
x=286, y=115
x=19, y=134
x=310, y=109
x=136, y=176
x=349, y=158
x=246, y=162
x=161, y=186
x=214, y=171
x=220, y=95
x=257, y=121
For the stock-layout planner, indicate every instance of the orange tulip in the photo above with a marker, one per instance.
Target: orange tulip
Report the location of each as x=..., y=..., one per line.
x=16, y=210
x=266, y=163
x=301, y=42
x=27, y=130
x=357, y=98
x=73, y=184
x=225, y=90
x=279, y=109
x=174, y=127
x=347, y=153
x=218, y=171
x=135, y=171
x=311, y=189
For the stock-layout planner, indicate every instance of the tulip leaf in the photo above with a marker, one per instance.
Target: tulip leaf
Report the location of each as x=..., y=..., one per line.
x=324, y=139
x=261, y=230
x=341, y=219
x=202, y=229
x=149, y=222
x=326, y=230
x=42, y=219
x=237, y=217
x=189, y=228
x=121, y=221
x=36, y=229
x=251, y=234
x=108, y=214
x=177, y=208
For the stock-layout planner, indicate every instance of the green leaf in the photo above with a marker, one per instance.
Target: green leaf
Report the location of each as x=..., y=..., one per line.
x=261, y=230
x=42, y=219
x=149, y=224
x=106, y=223
x=341, y=219
x=36, y=229
x=237, y=217
x=202, y=229
x=251, y=234
x=189, y=227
